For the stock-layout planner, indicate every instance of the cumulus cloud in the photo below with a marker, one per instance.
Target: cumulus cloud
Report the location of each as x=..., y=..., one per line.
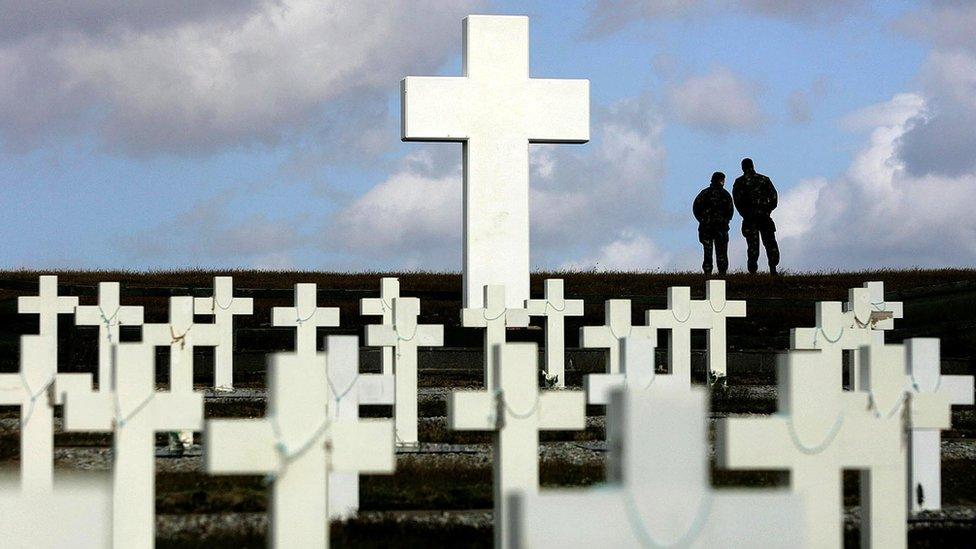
x=582, y=199
x=878, y=213
x=197, y=77
x=606, y=17
x=719, y=102
x=629, y=252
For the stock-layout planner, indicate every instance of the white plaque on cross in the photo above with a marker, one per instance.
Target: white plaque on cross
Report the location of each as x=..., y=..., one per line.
x=299, y=444
x=495, y=110
x=223, y=306
x=658, y=492
x=933, y=395
x=109, y=314
x=555, y=307
x=382, y=307
x=616, y=326
x=135, y=412
x=514, y=410
x=495, y=316
x=404, y=336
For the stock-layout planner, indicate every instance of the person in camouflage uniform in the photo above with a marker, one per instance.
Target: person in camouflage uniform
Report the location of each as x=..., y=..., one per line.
x=755, y=198
x=713, y=210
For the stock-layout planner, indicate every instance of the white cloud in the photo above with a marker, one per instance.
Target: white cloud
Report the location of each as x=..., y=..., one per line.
x=259, y=73
x=629, y=252
x=878, y=214
x=719, y=102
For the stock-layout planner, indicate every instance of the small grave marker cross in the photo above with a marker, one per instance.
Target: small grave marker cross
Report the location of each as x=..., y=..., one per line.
x=299, y=444
x=494, y=317
x=933, y=395
x=617, y=325
x=515, y=411
x=306, y=317
x=555, y=307
x=224, y=306
x=836, y=331
x=47, y=304
x=404, y=336
x=109, y=314
x=382, y=307
x=181, y=335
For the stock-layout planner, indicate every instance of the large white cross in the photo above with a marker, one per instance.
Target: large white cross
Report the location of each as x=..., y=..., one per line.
x=933, y=395
x=223, y=306
x=836, y=331
x=306, y=317
x=495, y=110
x=181, y=335
x=35, y=388
x=515, y=411
x=382, y=307
x=616, y=326
x=495, y=316
x=135, y=411
x=658, y=492
x=555, y=307
x=818, y=432
x=47, y=304
x=109, y=314
x=77, y=513
x=300, y=444
x=684, y=315
x=404, y=336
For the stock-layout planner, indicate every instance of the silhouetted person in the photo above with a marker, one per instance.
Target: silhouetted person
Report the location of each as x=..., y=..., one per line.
x=755, y=199
x=713, y=210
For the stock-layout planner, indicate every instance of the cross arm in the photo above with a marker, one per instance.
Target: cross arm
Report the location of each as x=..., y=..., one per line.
x=364, y=446
x=930, y=411
x=376, y=388
x=371, y=306
x=473, y=318
x=959, y=389
x=562, y=411
x=12, y=389
x=535, y=307
x=471, y=411
x=559, y=110
x=752, y=442
x=239, y=447
x=87, y=315
x=516, y=318
x=380, y=335
x=205, y=335
x=596, y=337
x=178, y=411
x=599, y=386
x=89, y=411
x=434, y=108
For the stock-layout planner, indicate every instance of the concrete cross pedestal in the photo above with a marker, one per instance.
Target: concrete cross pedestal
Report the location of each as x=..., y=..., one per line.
x=299, y=444
x=382, y=307
x=684, y=315
x=306, y=317
x=514, y=410
x=496, y=110
x=555, y=307
x=932, y=398
x=818, y=432
x=135, y=412
x=836, y=331
x=223, y=306
x=495, y=316
x=616, y=326
x=109, y=314
x=658, y=492
x=404, y=336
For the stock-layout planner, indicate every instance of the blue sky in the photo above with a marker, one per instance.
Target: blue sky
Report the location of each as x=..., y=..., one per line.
x=250, y=135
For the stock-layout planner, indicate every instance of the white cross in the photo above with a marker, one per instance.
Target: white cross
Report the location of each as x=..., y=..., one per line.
x=306, y=316
x=836, y=331
x=36, y=388
x=108, y=315
x=494, y=317
x=347, y=390
x=636, y=368
x=818, y=432
x=382, y=307
x=77, y=513
x=496, y=110
x=299, y=444
x=883, y=312
x=135, y=411
x=870, y=312
x=684, y=315
x=223, y=306
x=515, y=410
x=555, y=307
x=47, y=304
x=658, y=492
x=181, y=335
x=405, y=336
x=616, y=326
x=932, y=399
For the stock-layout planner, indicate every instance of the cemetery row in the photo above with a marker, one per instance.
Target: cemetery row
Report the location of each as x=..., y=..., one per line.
x=312, y=423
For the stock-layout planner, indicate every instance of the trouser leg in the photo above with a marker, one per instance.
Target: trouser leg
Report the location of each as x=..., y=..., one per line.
x=722, y=252
x=707, y=248
x=752, y=246
x=772, y=249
